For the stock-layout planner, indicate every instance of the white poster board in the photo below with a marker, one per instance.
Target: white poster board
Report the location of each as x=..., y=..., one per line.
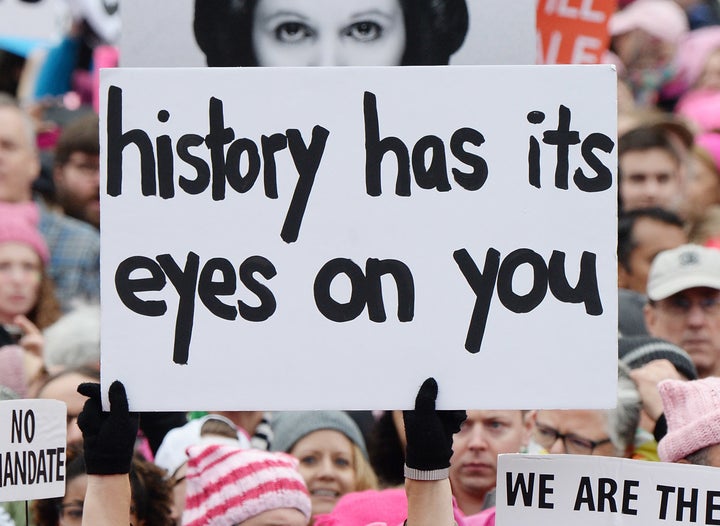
x=37, y=20
x=268, y=318
x=499, y=32
x=32, y=449
x=565, y=490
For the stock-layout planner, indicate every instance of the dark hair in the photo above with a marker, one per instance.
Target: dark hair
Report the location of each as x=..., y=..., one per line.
x=386, y=452
x=434, y=29
x=626, y=226
x=646, y=138
x=151, y=493
x=80, y=135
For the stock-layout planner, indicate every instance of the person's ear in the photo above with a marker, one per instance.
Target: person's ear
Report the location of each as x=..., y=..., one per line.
x=682, y=461
x=650, y=317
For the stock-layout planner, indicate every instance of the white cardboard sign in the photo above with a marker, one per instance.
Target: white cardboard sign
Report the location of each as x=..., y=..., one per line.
x=32, y=449
x=565, y=490
x=499, y=32
x=40, y=20
x=337, y=235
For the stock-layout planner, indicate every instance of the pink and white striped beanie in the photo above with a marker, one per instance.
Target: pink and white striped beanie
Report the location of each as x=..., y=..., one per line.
x=227, y=485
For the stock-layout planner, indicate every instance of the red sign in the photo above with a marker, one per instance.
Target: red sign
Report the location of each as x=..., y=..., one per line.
x=573, y=31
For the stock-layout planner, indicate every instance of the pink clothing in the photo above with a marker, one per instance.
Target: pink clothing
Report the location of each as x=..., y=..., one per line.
x=387, y=508
x=484, y=518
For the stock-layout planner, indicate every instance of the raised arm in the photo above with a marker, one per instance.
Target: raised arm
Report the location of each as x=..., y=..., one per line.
x=108, y=442
x=429, y=436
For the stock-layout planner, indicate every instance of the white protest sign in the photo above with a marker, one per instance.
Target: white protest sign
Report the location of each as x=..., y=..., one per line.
x=41, y=20
x=499, y=32
x=32, y=449
x=315, y=238
x=560, y=490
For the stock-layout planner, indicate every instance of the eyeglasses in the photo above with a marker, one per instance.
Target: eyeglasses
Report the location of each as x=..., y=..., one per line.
x=546, y=436
x=681, y=306
x=70, y=514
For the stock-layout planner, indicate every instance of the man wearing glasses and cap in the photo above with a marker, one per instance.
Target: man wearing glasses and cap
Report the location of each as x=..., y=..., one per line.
x=684, y=303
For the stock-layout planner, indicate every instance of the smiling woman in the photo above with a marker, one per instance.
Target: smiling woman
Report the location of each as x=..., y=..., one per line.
x=329, y=33
x=331, y=451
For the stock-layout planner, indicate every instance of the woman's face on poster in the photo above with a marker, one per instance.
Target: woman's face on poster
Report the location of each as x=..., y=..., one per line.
x=328, y=33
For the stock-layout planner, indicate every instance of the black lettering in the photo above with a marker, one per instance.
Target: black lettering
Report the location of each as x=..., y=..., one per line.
x=435, y=175
x=117, y=141
x=209, y=290
x=247, y=271
x=545, y=491
x=475, y=179
x=375, y=150
x=128, y=288
x=165, y=168
x=239, y=182
x=216, y=140
x=60, y=464
x=326, y=304
x=31, y=467
x=270, y=146
x=607, y=488
x=603, y=179
x=16, y=427
x=8, y=472
x=307, y=161
x=585, y=291
x=629, y=496
x=185, y=282
x=202, y=170
x=29, y=425
x=527, y=302
x=682, y=505
x=400, y=272
x=584, y=495
x=711, y=507
x=563, y=138
x=42, y=467
x=52, y=464
x=665, y=492
x=482, y=284
x=526, y=488
x=20, y=474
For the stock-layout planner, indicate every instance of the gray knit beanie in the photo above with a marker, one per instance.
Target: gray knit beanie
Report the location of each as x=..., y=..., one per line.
x=290, y=426
x=636, y=351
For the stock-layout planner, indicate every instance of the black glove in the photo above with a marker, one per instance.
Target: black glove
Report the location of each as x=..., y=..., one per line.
x=429, y=435
x=108, y=438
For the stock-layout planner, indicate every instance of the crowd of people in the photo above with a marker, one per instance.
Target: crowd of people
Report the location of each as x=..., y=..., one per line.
x=359, y=468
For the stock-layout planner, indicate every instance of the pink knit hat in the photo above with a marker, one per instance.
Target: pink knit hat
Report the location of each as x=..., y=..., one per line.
x=701, y=107
x=18, y=223
x=663, y=19
x=692, y=411
x=227, y=485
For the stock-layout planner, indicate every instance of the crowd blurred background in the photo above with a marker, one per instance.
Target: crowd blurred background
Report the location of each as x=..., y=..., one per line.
x=667, y=54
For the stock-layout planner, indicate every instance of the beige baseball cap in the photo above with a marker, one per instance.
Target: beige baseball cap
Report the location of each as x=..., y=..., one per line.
x=682, y=268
